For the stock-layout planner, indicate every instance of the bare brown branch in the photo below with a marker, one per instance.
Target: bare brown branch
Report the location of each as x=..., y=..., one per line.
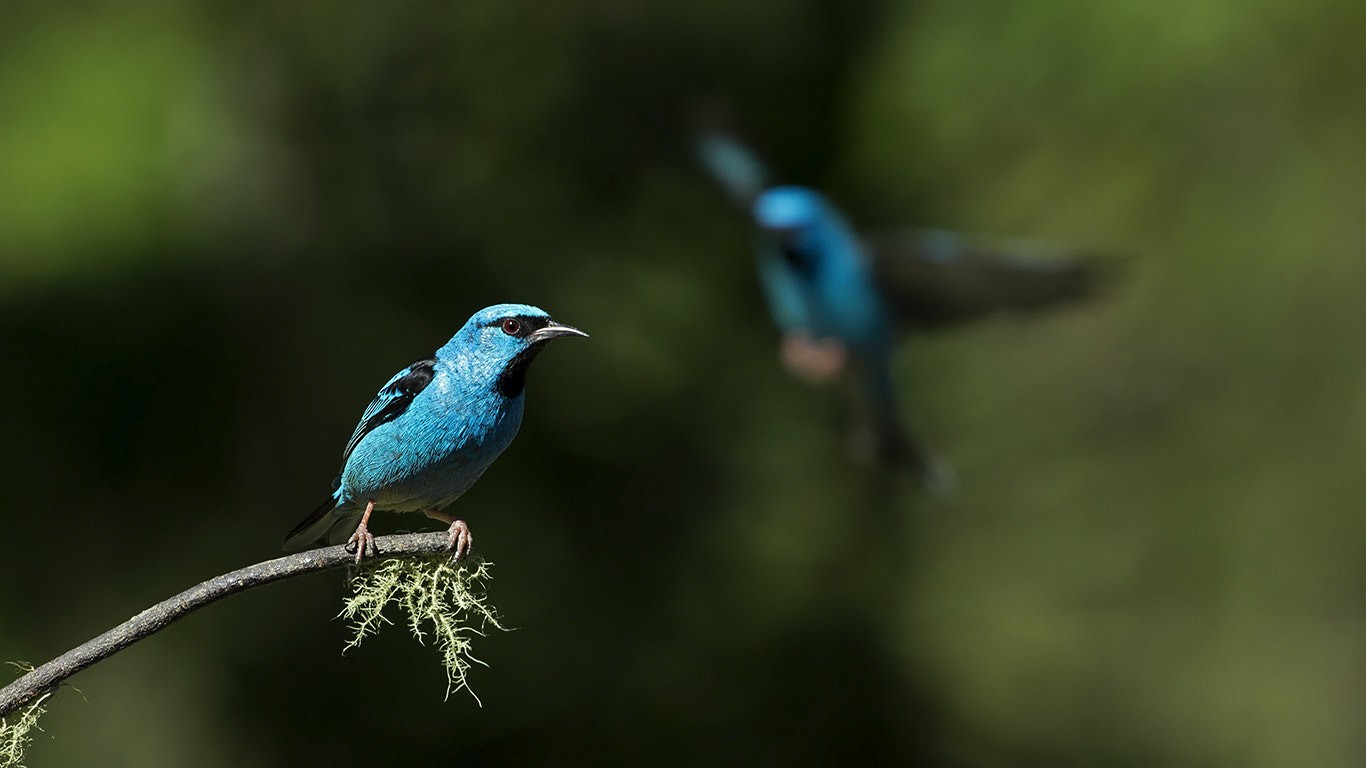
x=50, y=675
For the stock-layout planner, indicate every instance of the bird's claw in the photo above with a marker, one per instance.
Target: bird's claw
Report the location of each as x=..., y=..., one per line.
x=361, y=542
x=461, y=539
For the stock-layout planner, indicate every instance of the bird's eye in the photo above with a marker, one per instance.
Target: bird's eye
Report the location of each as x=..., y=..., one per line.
x=511, y=327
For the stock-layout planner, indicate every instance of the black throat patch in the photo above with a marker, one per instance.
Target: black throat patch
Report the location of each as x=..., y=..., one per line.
x=796, y=255
x=512, y=381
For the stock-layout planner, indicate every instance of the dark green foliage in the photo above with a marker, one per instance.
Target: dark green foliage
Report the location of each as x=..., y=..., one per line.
x=224, y=222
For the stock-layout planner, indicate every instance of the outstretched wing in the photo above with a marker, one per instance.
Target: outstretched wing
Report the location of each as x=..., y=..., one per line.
x=935, y=278
x=734, y=166
x=392, y=400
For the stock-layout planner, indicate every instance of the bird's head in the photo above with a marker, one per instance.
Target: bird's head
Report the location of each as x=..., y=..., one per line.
x=800, y=222
x=502, y=340
x=815, y=273
x=785, y=209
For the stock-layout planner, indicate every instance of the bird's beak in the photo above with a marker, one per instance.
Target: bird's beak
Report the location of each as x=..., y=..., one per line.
x=555, y=331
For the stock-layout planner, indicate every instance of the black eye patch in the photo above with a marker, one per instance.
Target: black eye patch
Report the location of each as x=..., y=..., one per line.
x=520, y=326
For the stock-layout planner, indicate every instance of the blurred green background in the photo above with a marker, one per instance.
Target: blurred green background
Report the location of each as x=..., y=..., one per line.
x=223, y=225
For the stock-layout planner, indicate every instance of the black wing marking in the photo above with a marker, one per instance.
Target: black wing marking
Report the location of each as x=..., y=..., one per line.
x=392, y=400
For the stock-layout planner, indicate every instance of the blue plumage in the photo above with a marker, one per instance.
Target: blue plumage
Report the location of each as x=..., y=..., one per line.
x=434, y=428
x=813, y=273
x=837, y=296
x=822, y=297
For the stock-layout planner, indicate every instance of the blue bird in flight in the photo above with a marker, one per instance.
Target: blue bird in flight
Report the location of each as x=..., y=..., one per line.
x=838, y=297
x=433, y=429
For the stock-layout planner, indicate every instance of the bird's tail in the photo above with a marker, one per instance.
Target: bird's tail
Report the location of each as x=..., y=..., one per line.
x=892, y=444
x=323, y=526
x=895, y=447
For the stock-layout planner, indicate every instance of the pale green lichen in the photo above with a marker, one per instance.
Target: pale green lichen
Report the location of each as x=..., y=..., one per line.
x=432, y=590
x=16, y=732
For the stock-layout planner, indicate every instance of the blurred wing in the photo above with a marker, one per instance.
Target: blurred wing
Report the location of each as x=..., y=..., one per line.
x=734, y=166
x=392, y=400
x=934, y=278
x=783, y=281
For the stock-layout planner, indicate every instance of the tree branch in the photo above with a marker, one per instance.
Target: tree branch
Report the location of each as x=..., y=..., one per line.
x=50, y=675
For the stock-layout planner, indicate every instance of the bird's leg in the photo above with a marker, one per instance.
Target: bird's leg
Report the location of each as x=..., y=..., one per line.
x=815, y=360
x=362, y=539
x=461, y=538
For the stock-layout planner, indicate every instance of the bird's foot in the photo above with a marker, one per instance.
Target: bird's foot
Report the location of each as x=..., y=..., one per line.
x=362, y=542
x=461, y=539
x=815, y=360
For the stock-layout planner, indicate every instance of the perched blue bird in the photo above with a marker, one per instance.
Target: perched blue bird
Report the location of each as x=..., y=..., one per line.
x=838, y=297
x=433, y=429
